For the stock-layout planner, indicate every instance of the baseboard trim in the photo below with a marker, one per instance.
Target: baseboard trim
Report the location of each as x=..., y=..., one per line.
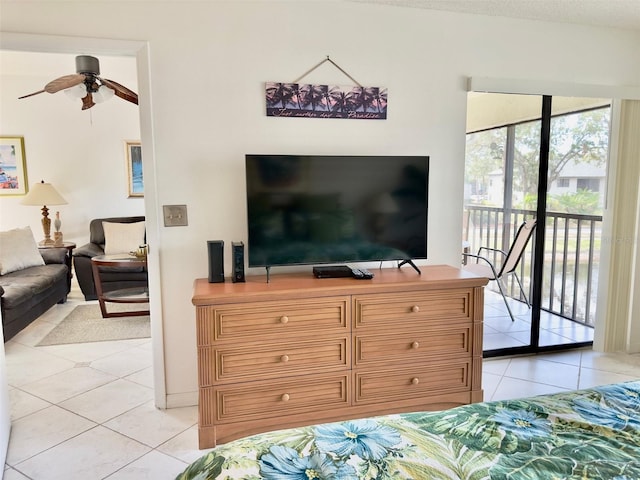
x=178, y=400
x=633, y=348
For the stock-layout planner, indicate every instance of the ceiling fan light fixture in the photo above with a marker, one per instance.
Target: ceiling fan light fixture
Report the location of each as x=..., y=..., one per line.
x=74, y=93
x=103, y=94
x=86, y=84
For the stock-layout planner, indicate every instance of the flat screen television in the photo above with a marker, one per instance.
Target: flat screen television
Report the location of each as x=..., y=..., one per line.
x=318, y=209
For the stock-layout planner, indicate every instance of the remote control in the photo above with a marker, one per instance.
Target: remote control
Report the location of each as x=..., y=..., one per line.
x=361, y=274
x=367, y=274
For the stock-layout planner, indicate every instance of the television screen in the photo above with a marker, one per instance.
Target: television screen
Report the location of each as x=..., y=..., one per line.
x=311, y=209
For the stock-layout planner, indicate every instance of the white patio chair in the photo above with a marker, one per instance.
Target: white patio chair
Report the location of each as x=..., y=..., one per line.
x=509, y=262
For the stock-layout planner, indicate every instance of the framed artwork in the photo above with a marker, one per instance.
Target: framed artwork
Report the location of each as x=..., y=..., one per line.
x=134, y=169
x=13, y=167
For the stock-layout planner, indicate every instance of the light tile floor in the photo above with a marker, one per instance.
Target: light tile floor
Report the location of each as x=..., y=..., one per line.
x=502, y=332
x=86, y=411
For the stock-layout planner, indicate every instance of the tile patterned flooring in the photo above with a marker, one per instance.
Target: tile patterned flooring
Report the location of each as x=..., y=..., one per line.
x=86, y=411
x=501, y=332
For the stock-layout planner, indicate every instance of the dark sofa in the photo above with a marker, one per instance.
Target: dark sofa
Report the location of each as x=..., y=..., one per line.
x=26, y=294
x=112, y=278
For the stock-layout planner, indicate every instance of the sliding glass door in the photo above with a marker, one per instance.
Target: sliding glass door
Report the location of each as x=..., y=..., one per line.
x=537, y=157
x=576, y=187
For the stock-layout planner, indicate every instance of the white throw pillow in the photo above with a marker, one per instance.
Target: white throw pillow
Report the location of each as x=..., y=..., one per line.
x=18, y=250
x=122, y=237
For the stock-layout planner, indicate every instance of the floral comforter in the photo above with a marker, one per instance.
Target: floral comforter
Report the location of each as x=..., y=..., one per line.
x=580, y=435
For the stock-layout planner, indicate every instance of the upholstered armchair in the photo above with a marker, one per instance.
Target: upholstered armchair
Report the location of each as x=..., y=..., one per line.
x=112, y=278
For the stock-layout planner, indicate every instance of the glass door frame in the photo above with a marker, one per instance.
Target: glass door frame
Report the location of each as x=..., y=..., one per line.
x=538, y=242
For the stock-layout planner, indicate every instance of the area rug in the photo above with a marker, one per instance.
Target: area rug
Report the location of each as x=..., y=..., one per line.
x=85, y=324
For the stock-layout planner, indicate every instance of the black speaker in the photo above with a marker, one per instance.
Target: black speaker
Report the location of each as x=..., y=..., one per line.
x=216, y=261
x=237, y=262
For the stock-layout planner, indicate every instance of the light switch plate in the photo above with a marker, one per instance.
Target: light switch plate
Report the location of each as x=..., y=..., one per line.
x=175, y=215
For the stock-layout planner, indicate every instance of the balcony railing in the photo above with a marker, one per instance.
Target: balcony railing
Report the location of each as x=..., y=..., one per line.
x=571, y=263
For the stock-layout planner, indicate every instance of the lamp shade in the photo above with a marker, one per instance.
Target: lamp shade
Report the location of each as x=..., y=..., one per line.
x=103, y=94
x=79, y=91
x=43, y=194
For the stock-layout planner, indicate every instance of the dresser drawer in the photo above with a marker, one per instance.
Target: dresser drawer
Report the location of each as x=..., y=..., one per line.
x=255, y=320
x=256, y=400
x=413, y=346
x=254, y=362
x=411, y=381
x=398, y=310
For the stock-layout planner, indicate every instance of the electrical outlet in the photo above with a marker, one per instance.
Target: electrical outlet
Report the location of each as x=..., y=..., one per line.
x=175, y=215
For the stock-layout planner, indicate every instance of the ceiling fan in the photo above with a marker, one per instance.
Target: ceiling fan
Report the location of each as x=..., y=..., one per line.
x=88, y=85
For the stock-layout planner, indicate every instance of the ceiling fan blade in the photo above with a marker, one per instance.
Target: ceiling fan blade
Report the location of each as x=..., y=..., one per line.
x=87, y=102
x=63, y=83
x=31, y=94
x=121, y=91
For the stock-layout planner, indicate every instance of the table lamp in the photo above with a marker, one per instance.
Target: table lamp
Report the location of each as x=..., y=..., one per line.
x=44, y=194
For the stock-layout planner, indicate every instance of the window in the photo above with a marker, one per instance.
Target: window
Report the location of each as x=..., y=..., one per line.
x=485, y=161
x=589, y=184
x=577, y=163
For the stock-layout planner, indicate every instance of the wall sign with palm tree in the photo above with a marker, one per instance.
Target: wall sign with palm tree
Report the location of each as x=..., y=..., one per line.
x=296, y=99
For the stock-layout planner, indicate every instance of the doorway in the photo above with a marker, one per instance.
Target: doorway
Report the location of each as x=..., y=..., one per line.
x=139, y=49
x=532, y=156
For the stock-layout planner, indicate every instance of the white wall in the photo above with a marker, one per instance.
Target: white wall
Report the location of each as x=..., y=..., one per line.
x=208, y=62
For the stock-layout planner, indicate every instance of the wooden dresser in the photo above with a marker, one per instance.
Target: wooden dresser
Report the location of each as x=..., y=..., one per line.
x=300, y=350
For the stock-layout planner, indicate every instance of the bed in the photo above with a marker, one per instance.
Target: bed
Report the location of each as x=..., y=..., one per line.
x=583, y=434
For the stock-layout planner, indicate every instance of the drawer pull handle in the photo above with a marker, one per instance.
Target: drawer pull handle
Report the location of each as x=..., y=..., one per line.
x=415, y=309
x=284, y=319
x=415, y=345
x=415, y=380
x=284, y=358
x=285, y=397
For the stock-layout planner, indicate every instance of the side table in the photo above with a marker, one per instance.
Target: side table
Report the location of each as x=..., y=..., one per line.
x=67, y=259
x=123, y=295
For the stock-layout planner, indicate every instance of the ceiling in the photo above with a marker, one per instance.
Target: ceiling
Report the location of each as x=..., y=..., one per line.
x=603, y=13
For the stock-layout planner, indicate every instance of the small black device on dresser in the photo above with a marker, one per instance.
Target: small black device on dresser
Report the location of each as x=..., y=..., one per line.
x=332, y=271
x=216, y=261
x=361, y=274
x=237, y=261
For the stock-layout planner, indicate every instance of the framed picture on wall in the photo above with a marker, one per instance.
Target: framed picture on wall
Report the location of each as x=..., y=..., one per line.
x=13, y=166
x=134, y=168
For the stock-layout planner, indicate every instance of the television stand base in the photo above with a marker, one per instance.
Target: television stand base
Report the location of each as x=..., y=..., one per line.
x=410, y=262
